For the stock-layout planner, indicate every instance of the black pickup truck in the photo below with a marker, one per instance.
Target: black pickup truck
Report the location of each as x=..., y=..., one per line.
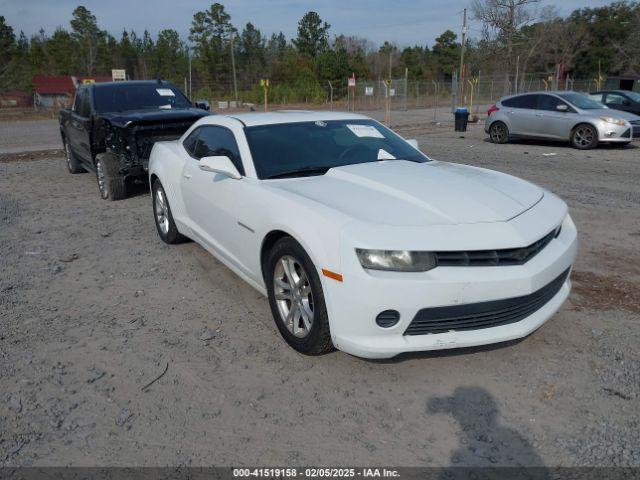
x=112, y=127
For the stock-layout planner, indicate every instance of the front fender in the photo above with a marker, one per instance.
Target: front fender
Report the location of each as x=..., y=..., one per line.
x=166, y=163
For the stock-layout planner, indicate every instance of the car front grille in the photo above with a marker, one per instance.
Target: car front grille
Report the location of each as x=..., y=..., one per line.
x=476, y=316
x=484, y=258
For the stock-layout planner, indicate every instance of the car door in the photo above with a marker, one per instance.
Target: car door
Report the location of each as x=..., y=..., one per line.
x=212, y=200
x=554, y=123
x=521, y=114
x=80, y=125
x=618, y=101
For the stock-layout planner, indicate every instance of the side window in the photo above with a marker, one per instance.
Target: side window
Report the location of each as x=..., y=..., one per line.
x=79, y=101
x=522, y=101
x=549, y=102
x=596, y=97
x=214, y=141
x=190, y=142
x=85, y=107
x=615, y=99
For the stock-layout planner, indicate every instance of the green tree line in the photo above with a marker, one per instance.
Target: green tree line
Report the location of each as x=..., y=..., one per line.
x=585, y=42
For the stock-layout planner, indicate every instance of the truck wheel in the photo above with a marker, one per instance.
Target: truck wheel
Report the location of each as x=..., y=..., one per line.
x=73, y=164
x=110, y=181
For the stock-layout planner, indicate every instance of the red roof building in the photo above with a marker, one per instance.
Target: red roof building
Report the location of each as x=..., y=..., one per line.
x=57, y=91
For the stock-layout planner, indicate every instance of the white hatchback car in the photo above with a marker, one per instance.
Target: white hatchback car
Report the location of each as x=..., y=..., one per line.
x=359, y=240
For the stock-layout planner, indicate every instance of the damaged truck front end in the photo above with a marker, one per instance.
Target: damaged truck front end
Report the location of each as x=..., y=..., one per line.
x=132, y=142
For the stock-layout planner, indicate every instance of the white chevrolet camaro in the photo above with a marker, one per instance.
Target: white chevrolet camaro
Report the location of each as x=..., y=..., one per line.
x=359, y=240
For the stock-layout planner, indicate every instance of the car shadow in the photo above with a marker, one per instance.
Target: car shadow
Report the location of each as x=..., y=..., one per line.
x=567, y=145
x=487, y=449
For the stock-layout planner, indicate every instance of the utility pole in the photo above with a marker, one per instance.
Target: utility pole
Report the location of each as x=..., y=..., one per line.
x=189, y=73
x=462, y=45
x=233, y=68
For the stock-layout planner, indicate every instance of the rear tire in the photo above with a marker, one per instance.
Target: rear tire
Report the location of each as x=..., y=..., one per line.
x=73, y=165
x=291, y=275
x=499, y=132
x=166, y=226
x=110, y=181
x=584, y=137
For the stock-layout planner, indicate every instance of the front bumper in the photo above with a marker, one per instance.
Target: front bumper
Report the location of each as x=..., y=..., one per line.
x=354, y=304
x=608, y=132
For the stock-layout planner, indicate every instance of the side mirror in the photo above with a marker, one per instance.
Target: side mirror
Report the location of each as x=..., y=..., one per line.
x=626, y=103
x=220, y=164
x=202, y=104
x=413, y=142
x=562, y=108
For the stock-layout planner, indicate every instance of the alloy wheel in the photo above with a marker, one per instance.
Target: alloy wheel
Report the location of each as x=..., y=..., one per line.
x=584, y=136
x=102, y=182
x=68, y=154
x=293, y=296
x=498, y=133
x=162, y=211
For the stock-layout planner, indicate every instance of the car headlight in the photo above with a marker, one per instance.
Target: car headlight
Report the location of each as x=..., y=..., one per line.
x=396, y=260
x=615, y=121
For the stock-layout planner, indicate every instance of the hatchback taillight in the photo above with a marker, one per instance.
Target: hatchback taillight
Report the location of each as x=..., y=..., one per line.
x=492, y=109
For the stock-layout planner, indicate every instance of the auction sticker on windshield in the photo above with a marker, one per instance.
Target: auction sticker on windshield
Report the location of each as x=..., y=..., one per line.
x=365, y=131
x=165, y=92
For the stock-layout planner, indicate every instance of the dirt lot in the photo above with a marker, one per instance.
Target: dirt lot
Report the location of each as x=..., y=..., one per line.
x=93, y=307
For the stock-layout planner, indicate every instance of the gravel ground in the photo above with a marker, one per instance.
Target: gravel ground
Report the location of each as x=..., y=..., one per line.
x=94, y=307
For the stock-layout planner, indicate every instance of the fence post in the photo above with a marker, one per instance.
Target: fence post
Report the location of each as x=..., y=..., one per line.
x=435, y=100
x=330, y=95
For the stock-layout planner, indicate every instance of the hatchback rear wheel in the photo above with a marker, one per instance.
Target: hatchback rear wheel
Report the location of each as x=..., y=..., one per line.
x=498, y=132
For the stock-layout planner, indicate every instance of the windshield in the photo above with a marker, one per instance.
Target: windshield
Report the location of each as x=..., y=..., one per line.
x=635, y=96
x=151, y=96
x=311, y=148
x=581, y=101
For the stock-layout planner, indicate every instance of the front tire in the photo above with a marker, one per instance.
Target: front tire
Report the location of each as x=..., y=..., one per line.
x=499, y=132
x=110, y=181
x=166, y=226
x=584, y=137
x=73, y=165
x=296, y=298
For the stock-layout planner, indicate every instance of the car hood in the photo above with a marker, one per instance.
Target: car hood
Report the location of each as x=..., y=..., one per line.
x=404, y=193
x=610, y=112
x=137, y=117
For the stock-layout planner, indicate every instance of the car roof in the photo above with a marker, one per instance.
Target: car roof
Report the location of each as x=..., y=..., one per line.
x=293, y=116
x=611, y=91
x=123, y=84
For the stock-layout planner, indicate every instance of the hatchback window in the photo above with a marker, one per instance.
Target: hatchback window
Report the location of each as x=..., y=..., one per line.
x=580, y=100
x=213, y=141
x=522, y=101
x=549, y=102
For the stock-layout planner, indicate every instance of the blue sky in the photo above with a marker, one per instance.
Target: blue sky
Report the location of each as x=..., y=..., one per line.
x=404, y=22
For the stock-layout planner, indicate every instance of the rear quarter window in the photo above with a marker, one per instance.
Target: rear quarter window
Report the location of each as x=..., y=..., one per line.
x=523, y=101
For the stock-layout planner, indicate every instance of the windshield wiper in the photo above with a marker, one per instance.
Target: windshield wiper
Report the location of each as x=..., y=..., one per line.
x=300, y=172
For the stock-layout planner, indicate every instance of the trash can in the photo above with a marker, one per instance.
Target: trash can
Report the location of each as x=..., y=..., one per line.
x=462, y=118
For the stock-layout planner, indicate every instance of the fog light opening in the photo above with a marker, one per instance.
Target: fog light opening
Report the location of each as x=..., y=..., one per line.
x=388, y=318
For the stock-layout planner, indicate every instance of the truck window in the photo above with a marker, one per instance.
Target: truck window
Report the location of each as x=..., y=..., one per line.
x=78, y=101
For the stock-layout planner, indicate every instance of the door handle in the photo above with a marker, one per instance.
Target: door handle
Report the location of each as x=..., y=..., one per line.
x=186, y=175
x=539, y=115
